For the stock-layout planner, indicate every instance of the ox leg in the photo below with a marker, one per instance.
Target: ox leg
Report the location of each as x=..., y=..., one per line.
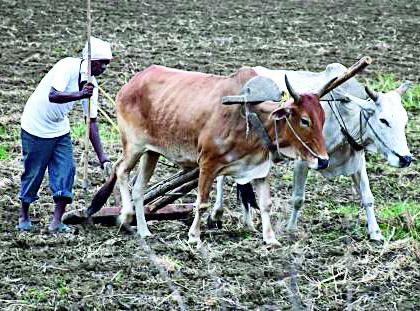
x=246, y=193
x=264, y=200
x=214, y=221
x=147, y=165
x=205, y=182
x=300, y=173
x=123, y=172
x=361, y=182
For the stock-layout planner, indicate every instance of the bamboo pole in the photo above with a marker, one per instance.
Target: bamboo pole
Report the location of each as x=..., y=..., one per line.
x=89, y=73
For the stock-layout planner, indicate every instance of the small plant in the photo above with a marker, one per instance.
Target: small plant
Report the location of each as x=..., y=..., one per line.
x=401, y=219
x=388, y=82
x=118, y=278
x=78, y=130
x=4, y=154
x=411, y=99
x=35, y=295
x=106, y=131
x=109, y=133
x=62, y=288
x=2, y=131
x=350, y=209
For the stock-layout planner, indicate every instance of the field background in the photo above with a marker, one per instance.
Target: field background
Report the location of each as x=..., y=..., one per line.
x=328, y=264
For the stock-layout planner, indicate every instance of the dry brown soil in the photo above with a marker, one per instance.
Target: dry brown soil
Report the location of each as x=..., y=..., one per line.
x=328, y=264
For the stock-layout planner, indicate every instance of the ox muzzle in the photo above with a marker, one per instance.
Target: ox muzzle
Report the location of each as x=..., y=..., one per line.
x=322, y=163
x=405, y=161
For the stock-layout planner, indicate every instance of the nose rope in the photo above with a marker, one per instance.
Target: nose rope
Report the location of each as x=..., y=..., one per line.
x=296, y=135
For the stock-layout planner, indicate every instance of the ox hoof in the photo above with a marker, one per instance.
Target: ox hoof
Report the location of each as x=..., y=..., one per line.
x=250, y=227
x=376, y=236
x=291, y=228
x=125, y=219
x=124, y=224
x=144, y=233
x=194, y=240
x=126, y=229
x=272, y=242
x=214, y=224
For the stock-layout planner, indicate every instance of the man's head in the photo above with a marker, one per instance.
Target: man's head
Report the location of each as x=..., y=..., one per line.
x=100, y=55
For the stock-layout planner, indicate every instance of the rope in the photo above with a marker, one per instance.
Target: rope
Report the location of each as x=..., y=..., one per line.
x=300, y=140
x=352, y=142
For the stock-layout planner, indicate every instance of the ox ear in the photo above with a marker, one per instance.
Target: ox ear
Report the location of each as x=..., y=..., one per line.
x=281, y=113
x=403, y=87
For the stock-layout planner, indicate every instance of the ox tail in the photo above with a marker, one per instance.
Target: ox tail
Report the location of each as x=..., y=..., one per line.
x=104, y=193
x=247, y=195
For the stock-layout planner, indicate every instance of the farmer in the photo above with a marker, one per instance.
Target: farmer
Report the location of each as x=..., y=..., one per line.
x=45, y=131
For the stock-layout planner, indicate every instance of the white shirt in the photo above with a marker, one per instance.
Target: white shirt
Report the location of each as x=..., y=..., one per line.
x=45, y=119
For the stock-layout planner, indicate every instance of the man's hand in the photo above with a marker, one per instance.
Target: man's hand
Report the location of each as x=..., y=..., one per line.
x=87, y=90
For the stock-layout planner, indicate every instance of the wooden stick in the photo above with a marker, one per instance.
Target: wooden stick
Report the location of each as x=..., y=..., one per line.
x=89, y=72
x=171, y=197
x=171, y=185
x=350, y=73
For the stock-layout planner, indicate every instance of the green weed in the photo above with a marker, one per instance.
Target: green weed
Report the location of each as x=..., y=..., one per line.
x=4, y=154
x=401, y=220
x=107, y=132
x=388, y=82
x=62, y=288
x=78, y=130
x=35, y=295
x=118, y=278
x=2, y=131
x=350, y=209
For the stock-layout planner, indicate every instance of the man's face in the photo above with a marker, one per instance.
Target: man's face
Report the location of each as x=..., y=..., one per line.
x=98, y=66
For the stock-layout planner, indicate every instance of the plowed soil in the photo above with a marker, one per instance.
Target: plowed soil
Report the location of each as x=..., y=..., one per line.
x=329, y=264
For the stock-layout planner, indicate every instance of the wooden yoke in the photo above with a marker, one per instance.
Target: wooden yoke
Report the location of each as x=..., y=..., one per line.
x=350, y=73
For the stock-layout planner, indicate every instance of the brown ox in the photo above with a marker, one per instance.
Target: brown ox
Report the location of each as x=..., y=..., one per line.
x=179, y=114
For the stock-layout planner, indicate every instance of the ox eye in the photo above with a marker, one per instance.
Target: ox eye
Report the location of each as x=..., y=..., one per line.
x=305, y=122
x=385, y=122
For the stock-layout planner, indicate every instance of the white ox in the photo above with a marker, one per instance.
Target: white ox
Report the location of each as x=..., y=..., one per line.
x=375, y=121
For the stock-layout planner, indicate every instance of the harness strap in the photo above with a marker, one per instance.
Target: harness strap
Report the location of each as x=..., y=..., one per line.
x=352, y=142
x=260, y=130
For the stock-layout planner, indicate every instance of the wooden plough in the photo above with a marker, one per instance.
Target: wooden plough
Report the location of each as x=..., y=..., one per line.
x=158, y=202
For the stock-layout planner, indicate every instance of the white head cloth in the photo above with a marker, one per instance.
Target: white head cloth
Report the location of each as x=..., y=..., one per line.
x=99, y=49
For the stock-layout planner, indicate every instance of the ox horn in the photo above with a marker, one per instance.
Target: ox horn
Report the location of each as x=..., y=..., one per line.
x=371, y=93
x=291, y=91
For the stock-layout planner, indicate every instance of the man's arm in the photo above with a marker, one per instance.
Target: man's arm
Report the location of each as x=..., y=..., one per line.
x=64, y=97
x=96, y=142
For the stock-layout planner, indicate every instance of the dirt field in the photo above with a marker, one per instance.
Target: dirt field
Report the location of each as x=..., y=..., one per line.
x=328, y=264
